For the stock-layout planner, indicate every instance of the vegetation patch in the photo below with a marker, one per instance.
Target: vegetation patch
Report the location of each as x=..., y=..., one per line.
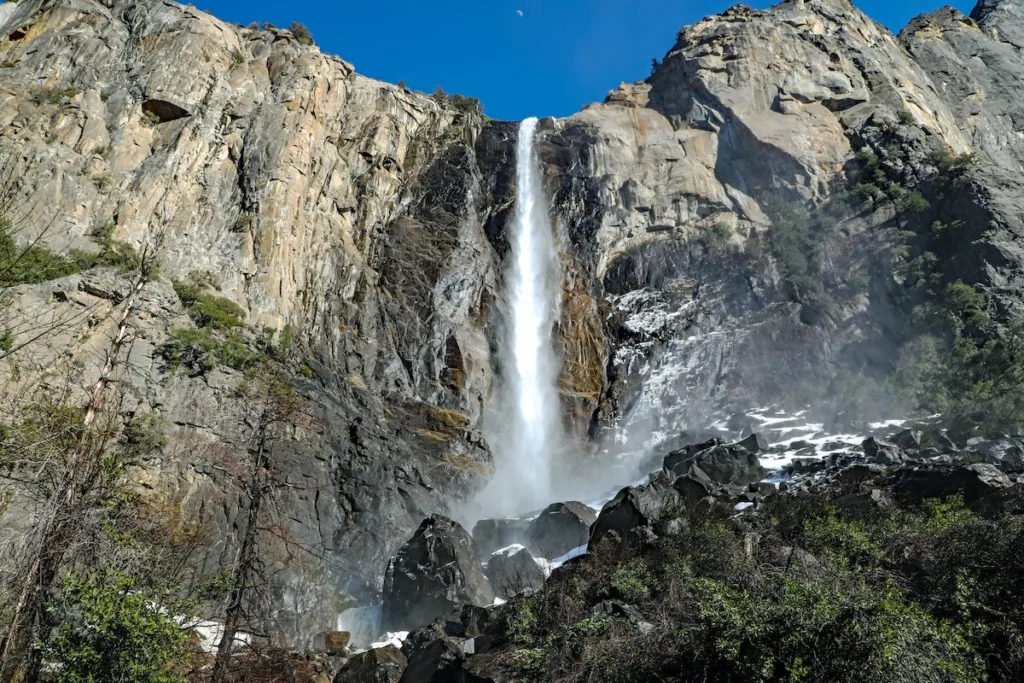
x=799, y=592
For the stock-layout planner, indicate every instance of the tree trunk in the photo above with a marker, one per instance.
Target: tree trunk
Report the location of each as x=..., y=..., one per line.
x=244, y=561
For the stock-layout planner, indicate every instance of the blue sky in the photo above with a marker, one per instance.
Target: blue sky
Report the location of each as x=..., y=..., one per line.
x=550, y=61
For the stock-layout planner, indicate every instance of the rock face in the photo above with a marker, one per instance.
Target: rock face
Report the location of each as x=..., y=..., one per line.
x=434, y=573
x=367, y=224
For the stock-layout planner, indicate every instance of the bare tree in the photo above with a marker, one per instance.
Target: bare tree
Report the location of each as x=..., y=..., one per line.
x=61, y=454
x=270, y=402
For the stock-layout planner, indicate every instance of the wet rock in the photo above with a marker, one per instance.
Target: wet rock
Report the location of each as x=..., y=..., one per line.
x=560, y=528
x=380, y=665
x=723, y=464
x=514, y=571
x=434, y=573
x=494, y=534
x=632, y=513
x=694, y=486
x=883, y=452
x=755, y=443
x=908, y=439
x=677, y=460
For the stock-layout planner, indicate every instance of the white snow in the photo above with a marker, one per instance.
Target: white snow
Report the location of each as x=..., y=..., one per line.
x=396, y=639
x=575, y=552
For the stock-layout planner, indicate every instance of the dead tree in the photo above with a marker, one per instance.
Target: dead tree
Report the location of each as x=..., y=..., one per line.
x=271, y=403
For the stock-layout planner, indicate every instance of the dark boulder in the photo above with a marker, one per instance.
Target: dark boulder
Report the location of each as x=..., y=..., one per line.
x=883, y=452
x=1012, y=460
x=514, y=571
x=732, y=464
x=694, y=486
x=974, y=483
x=381, y=665
x=437, y=661
x=634, y=511
x=854, y=476
x=674, y=462
x=908, y=439
x=488, y=668
x=561, y=527
x=495, y=534
x=864, y=505
x=755, y=443
x=434, y=573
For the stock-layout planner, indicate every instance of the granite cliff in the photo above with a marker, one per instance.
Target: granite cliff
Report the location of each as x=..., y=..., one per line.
x=366, y=223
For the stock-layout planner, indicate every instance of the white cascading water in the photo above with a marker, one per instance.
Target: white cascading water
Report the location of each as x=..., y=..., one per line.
x=526, y=434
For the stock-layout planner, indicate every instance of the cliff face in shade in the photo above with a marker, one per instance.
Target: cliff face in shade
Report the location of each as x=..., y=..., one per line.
x=371, y=222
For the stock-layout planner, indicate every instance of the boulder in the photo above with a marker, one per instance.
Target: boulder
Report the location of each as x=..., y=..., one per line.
x=1012, y=460
x=755, y=443
x=634, y=510
x=732, y=464
x=674, y=461
x=908, y=439
x=380, y=665
x=333, y=643
x=973, y=482
x=514, y=570
x=864, y=505
x=560, y=528
x=694, y=486
x=434, y=573
x=487, y=668
x=495, y=534
x=438, y=661
x=883, y=452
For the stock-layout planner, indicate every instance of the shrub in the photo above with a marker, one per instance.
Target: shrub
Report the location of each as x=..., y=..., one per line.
x=113, y=630
x=200, y=351
x=301, y=34
x=144, y=435
x=208, y=310
x=32, y=264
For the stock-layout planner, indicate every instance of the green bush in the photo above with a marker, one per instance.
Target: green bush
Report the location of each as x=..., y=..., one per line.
x=301, y=34
x=144, y=435
x=31, y=265
x=208, y=310
x=923, y=595
x=112, y=630
x=200, y=351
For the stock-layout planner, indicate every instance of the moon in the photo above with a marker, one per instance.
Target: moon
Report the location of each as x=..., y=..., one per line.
x=519, y=12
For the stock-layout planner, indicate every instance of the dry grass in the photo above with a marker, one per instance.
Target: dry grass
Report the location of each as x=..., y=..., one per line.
x=452, y=419
x=431, y=435
x=464, y=464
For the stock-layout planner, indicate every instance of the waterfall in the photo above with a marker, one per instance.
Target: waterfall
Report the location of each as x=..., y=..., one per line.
x=525, y=433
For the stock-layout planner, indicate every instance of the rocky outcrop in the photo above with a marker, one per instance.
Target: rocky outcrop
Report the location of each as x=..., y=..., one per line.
x=335, y=210
x=434, y=573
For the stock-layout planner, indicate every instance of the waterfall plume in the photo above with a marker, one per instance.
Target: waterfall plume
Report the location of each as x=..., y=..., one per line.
x=525, y=431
